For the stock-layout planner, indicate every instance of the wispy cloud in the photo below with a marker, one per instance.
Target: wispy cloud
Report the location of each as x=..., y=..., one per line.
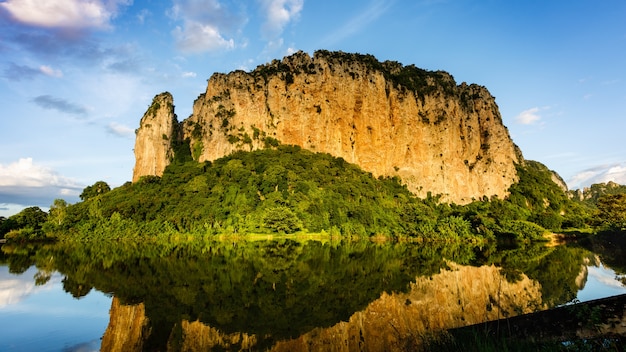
x=528, y=117
x=278, y=13
x=369, y=14
x=127, y=65
x=599, y=174
x=63, y=13
x=203, y=24
x=49, y=71
x=17, y=72
x=142, y=15
x=120, y=130
x=52, y=103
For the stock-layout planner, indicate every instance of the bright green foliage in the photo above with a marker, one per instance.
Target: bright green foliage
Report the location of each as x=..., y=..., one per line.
x=521, y=230
x=545, y=203
x=272, y=190
x=536, y=190
x=96, y=189
x=281, y=219
x=25, y=225
x=58, y=211
x=284, y=189
x=612, y=211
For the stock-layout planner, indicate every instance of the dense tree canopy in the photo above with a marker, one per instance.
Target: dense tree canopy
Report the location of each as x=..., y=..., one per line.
x=96, y=189
x=285, y=189
x=612, y=211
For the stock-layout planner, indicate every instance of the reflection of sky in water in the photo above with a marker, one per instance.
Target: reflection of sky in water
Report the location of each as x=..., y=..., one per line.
x=46, y=318
x=600, y=283
x=14, y=288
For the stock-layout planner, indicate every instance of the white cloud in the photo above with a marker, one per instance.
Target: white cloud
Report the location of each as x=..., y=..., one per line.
x=24, y=173
x=599, y=174
x=528, y=117
x=49, y=71
x=120, y=130
x=278, y=14
x=189, y=74
x=196, y=37
x=64, y=13
x=24, y=183
x=202, y=25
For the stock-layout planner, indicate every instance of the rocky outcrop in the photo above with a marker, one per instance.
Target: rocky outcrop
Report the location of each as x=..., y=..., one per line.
x=153, y=143
x=391, y=120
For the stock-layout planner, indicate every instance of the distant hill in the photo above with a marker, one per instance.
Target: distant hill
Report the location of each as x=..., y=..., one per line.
x=592, y=193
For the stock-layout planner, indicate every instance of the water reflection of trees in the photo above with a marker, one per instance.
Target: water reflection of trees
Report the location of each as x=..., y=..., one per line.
x=281, y=289
x=555, y=268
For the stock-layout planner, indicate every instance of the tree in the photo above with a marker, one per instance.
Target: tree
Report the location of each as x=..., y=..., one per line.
x=96, y=189
x=25, y=225
x=58, y=211
x=32, y=217
x=612, y=211
x=281, y=219
x=6, y=225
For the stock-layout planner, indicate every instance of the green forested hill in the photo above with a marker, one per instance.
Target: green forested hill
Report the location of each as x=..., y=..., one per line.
x=285, y=189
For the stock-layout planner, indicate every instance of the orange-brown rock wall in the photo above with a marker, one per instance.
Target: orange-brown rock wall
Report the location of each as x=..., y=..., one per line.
x=440, y=137
x=153, y=151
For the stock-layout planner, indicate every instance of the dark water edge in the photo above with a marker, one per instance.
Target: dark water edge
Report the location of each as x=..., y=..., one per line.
x=594, y=325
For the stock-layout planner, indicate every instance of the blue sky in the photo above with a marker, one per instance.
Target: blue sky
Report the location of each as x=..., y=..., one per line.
x=76, y=76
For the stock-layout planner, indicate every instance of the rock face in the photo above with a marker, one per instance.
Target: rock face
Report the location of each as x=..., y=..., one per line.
x=389, y=119
x=153, y=144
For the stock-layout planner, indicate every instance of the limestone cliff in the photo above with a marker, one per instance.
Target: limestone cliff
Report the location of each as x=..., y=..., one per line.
x=153, y=143
x=389, y=119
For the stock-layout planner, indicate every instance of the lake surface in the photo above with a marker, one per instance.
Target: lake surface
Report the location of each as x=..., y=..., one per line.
x=281, y=295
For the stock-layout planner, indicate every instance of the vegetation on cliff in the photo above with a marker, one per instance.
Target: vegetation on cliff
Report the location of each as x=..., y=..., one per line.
x=408, y=77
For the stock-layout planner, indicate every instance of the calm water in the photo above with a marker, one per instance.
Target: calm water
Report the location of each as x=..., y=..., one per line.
x=280, y=295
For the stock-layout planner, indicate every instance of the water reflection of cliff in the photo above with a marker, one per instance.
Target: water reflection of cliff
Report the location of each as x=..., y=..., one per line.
x=455, y=297
x=289, y=295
